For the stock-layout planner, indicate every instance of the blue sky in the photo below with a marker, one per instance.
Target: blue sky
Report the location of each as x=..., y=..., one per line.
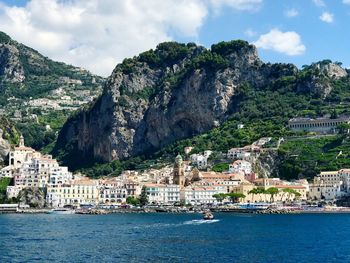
x=97, y=34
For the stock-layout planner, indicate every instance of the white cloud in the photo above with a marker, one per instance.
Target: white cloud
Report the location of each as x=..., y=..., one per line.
x=319, y=3
x=98, y=34
x=327, y=17
x=288, y=43
x=291, y=13
x=347, y=2
x=248, y=5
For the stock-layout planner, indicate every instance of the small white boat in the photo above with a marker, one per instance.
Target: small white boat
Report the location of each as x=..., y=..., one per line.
x=64, y=211
x=208, y=216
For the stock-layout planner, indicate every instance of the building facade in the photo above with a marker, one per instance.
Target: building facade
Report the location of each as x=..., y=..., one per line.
x=319, y=125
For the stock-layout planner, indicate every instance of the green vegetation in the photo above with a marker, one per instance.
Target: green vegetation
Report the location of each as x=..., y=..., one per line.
x=35, y=135
x=272, y=191
x=166, y=54
x=264, y=109
x=220, y=197
x=208, y=60
x=234, y=197
x=142, y=200
x=225, y=48
x=305, y=158
x=133, y=201
x=258, y=190
x=4, y=38
x=220, y=167
x=10, y=133
x=115, y=168
x=143, y=197
x=4, y=182
x=290, y=192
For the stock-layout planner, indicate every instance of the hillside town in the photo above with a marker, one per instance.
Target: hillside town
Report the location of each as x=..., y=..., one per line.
x=186, y=182
x=70, y=95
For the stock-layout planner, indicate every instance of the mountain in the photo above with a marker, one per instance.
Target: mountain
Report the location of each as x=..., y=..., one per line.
x=181, y=91
x=25, y=73
x=39, y=94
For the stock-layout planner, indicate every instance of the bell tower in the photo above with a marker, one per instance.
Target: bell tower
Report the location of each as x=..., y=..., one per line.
x=21, y=141
x=179, y=174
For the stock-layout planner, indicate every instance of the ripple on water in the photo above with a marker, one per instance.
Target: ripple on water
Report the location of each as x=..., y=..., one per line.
x=174, y=238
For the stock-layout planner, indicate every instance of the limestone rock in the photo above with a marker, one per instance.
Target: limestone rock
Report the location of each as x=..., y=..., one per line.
x=4, y=148
x=145, y=107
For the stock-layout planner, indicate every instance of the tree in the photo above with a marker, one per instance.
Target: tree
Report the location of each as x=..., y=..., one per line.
x=219, y=197
x=132, y=200
x=343, y=128
x=290, y=192
x=334, y=114
x=220, y=167
x=235, y=197
x=272, y=191
x=256, y=191
x=143, y=197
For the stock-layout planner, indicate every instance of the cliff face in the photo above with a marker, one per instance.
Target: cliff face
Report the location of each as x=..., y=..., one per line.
x=8, y=135
x=173, y=92
x=4, y=149
x=318, y=78
x=10, y=66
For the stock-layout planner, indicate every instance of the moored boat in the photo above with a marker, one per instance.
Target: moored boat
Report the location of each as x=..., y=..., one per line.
x=64, y=211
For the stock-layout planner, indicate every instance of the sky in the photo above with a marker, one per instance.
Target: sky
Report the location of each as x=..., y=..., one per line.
x=98, y=34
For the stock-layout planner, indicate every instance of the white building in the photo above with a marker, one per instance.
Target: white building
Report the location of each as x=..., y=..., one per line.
x=327, y=186
x=344, y=174
x=319, y=125
x=113, y=191
x=238, y=153
x=201, y=160
x=163, y=194
x=199, y=195
x=240, y=166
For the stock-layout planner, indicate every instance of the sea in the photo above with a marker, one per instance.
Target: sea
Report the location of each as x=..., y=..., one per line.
x=174, y=238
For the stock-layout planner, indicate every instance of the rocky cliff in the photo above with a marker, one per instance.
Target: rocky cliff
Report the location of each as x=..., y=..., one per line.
x=8, y=135
x=25, y=73
x=173, y=92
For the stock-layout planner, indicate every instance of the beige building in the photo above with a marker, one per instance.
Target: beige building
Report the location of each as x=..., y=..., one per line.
x=77, y=192
x=281, y=196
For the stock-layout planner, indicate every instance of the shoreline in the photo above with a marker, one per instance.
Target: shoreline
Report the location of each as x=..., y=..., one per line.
x=179, y=211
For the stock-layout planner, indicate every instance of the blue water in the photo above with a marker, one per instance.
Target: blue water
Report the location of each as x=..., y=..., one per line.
x=174, y=238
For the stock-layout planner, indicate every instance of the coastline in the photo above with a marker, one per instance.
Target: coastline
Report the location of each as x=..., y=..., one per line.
x=181, y=211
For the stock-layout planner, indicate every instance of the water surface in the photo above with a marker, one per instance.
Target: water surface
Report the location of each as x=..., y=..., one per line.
x=174, y=238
